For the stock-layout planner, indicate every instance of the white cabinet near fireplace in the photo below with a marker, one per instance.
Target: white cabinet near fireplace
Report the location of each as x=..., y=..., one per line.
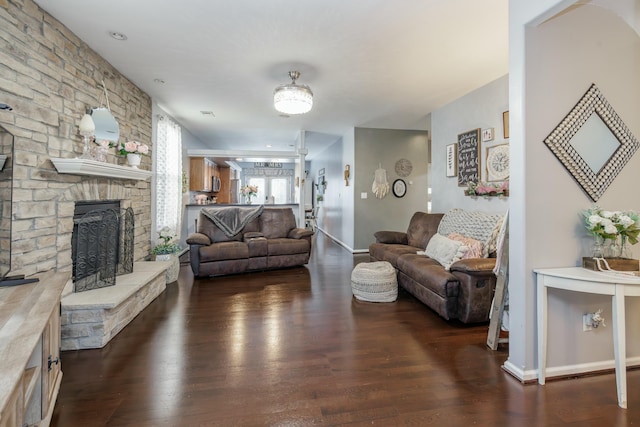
x=30, y=372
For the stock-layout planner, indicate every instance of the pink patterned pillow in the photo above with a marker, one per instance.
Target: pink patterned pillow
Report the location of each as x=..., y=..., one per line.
x=475, y=246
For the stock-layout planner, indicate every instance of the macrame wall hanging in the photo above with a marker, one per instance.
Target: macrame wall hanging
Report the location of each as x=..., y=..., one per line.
x=380, y=185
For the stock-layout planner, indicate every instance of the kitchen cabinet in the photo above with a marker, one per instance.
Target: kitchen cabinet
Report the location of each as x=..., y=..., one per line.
x=30, y=351
x=201, y=172
x=224, y=195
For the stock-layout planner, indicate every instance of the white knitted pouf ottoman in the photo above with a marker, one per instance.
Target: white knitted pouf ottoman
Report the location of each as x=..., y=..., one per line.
x=374, y=282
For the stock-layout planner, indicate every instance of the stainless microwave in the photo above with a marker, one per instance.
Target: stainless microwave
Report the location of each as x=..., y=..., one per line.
x=215, y=184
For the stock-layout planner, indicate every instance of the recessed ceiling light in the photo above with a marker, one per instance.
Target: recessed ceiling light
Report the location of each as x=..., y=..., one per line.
x=118, y=36
x=269, y=145
x=207, y=113
x=239, y=159
x=159, y=81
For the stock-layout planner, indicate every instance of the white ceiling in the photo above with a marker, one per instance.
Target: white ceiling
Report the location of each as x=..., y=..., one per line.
x=370, y=63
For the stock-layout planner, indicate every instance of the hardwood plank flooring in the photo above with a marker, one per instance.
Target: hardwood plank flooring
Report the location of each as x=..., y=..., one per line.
x=293, y=348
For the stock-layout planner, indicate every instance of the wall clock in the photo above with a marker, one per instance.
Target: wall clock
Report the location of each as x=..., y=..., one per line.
x=399, y=188
x=403, y=168
x=498, y=162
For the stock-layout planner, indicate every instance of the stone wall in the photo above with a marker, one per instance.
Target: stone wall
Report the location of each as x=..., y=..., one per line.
x=49, y=76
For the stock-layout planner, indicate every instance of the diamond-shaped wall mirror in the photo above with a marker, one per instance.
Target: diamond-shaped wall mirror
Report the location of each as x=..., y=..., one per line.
x=593, y=143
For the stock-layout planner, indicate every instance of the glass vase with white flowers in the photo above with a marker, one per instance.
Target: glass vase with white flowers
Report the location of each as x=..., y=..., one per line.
x=619, y=228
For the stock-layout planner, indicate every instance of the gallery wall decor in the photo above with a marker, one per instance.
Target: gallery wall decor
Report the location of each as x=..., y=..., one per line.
x=468, y=157
x=487, y=134
x=399, y=188
x=497, y=162
x=593, y=143
x=452, y=160
x=403, y=168
x=505, y=124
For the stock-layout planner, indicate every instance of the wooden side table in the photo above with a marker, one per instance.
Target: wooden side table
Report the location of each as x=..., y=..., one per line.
x=578, y=279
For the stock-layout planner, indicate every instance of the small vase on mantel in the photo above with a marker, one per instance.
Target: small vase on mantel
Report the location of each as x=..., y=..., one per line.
x=134, y=160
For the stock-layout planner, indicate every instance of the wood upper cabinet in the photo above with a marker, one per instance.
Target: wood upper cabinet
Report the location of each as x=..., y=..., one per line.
x=201, y=170
x=224, y=195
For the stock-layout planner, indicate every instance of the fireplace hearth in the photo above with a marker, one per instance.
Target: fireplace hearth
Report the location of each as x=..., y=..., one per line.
x=101, y=243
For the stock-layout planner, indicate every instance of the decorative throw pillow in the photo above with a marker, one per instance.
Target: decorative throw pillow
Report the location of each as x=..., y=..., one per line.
x=445, y=250
x=475, y=246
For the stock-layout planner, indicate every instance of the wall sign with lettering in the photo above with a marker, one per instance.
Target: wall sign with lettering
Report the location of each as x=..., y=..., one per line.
x=468, y=157
x=267, y=164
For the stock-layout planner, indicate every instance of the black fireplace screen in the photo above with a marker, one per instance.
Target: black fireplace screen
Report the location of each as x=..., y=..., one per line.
x=102, y=247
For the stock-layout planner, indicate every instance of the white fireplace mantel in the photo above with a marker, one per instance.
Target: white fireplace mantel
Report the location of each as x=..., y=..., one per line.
x=94, y=167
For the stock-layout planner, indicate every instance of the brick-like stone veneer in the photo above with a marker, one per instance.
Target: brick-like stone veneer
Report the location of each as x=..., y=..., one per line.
x=49, y=76
x=91, y=319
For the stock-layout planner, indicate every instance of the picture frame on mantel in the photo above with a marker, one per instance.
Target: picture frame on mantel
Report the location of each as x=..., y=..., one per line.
x=452, y=160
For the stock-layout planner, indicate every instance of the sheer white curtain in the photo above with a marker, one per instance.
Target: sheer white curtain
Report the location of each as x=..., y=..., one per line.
x=169, y=176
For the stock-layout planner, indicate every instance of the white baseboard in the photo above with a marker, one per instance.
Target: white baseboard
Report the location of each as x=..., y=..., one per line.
x=344, y=245
x=567, y=370
x=519, y=373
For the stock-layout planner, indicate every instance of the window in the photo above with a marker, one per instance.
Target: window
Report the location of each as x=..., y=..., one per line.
x=168, y=177
x=278, y=187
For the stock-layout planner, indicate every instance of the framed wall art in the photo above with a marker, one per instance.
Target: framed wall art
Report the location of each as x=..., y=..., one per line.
x=497, y=162
x=487, y=134
x=399, y=188
x=452, y=160
x=468, y=157
x=505, y=124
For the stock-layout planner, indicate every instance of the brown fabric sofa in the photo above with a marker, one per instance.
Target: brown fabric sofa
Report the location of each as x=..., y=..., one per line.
x=270, y=240
x=464, y=292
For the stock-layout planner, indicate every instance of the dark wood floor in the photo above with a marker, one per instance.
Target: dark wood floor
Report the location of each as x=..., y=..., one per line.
x=293, y=348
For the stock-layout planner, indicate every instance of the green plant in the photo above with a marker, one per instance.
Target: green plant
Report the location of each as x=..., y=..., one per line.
x=166, y=247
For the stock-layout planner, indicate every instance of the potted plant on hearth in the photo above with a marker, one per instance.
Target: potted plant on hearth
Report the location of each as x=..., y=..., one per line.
x=168, y=251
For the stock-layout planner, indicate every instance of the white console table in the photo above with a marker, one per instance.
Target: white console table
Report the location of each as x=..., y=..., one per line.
x=579, y=279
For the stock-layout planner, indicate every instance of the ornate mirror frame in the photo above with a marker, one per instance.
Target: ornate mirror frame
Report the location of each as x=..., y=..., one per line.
x=594, y=183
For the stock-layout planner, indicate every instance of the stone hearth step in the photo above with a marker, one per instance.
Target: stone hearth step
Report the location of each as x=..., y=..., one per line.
x=92, y=318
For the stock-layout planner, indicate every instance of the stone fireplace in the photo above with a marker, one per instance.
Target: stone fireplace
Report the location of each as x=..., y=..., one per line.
x=118, y=230
x=101, y=243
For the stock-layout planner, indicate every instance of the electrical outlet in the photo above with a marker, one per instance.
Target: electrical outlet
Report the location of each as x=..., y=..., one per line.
x=587, y=322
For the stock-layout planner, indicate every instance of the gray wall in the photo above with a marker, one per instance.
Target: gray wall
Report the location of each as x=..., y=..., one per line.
x=554, y=57
x=344, y=215
x=600, y=42
x=384, y=147
x=335, y=216
x=483, y=109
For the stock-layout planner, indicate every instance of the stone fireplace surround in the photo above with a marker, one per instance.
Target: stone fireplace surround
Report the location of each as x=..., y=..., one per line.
x=92, y=318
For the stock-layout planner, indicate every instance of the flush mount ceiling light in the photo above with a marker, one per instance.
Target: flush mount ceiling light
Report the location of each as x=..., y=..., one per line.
x=293, y=98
